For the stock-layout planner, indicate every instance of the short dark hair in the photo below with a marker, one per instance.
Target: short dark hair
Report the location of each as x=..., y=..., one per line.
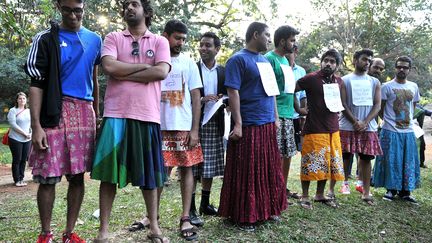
x=148, y=9
x=212, y=35
x=175, y=25
x=284, y=32
x=404, y=59
x=334, y=53
x=365, y=51
x=254, y=27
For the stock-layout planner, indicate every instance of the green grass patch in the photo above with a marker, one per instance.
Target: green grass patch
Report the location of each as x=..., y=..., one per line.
x=354, y=221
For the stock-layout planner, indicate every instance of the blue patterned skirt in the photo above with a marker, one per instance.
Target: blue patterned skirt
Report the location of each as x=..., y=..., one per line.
x=399, y=167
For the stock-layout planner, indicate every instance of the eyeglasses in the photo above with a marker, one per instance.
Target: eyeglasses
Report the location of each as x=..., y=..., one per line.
x=67, y=11
x=135, y=48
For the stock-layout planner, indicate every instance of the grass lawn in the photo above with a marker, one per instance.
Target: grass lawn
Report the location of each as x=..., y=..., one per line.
x=354, y=221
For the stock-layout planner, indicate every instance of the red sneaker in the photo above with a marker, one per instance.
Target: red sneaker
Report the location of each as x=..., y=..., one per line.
x=359, y=188
x=72, y=238
x=45, y=238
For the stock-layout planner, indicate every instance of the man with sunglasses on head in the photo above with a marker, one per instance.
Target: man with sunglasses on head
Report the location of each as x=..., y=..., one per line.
x=129, y=149
x=64, y=94
x=398, y=169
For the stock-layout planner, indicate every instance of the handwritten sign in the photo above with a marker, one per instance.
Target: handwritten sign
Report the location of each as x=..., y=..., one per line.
x=289, y=78
x=332, y=97
x=211, y=108
x=268, y=78
x=173, y=82
x=361, y=92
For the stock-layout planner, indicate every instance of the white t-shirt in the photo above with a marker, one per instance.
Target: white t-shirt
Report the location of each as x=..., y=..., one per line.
x=176, y=105
x=359, y=111
x=399, y=110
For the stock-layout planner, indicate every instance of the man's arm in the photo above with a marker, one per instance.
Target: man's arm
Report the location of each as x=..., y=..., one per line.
x=115, y=68
x=381, y=112
x=96, y=91
x=193, y=137
x=234, y=103
x=376, y=105
x=38, y=134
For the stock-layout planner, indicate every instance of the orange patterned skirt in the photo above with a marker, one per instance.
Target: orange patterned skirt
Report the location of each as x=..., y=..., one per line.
x=177, y=153
x=322, y=157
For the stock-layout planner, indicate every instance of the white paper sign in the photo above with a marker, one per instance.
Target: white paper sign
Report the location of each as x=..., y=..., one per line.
x=213, y=108
x=361, y=92
x=268, y=78
x=289, y=78
x=173, y=82
x=332, y=97
x=418, y=131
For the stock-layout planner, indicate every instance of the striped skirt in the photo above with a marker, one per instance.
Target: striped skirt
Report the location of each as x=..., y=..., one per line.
x=253, y=188
x=360, y=142
x=129, y=151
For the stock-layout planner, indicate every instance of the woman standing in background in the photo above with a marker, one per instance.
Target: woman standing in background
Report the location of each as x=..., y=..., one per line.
x=19, y=137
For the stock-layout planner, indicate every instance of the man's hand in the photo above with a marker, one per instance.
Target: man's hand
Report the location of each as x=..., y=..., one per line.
x=236, y=133
x=277, y=123
x=208, y=98
x=39, y=138
x=303, y=111
x=192, y=139
x=360, y=126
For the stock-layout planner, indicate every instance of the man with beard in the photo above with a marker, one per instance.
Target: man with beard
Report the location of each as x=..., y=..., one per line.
x=211, y=133
x=129, y=149
x=321, y=152
x=62, y=64
x=180, y=115
x=253, y=188
x=398, y=169
x=376, y=68
x=361, y=99
x=284, y=41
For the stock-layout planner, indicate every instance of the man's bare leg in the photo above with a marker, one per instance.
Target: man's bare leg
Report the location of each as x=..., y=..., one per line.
x=75, y=197
x=107, y=192
x=45, y=201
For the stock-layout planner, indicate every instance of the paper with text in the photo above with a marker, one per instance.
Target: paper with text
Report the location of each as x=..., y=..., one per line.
x=332, y=97
x=268, y=78
x=289, y=78
x=213, y=107
x=173, y=82
x=361, y=93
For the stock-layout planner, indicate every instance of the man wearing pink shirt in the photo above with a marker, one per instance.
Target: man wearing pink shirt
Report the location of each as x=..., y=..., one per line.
x=129, y=147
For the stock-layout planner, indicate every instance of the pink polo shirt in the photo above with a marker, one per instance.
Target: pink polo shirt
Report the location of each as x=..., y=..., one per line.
x=128, y=99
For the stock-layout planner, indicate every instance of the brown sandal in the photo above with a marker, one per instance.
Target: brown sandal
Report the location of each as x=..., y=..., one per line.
x=155, y=238
x=185, y=232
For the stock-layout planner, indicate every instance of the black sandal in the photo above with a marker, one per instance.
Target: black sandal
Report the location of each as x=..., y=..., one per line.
x=185, y=232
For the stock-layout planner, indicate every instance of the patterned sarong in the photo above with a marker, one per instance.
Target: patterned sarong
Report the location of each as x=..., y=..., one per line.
x=322, y=157
x=176, y=153
x=71, y=143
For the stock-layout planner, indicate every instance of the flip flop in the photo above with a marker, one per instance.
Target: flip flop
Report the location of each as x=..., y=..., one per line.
x=155, y=238
x=369, y=201
x=137, y=226
x=329, y=202
x=306, y=205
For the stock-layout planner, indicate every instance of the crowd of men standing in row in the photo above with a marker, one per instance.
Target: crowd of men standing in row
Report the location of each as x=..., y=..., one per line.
x=153, y=108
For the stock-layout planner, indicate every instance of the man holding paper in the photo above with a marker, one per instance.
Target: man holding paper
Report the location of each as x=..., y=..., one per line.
x=321, y=152
x=253, y=189
x=284, y=41
x=211, y=132
x=361, y=99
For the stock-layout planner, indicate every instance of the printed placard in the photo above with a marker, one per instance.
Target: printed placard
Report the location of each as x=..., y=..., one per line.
x=268, y=78
x=173, y=82
x=289, y=78
x=361, y=92
x=332, y=97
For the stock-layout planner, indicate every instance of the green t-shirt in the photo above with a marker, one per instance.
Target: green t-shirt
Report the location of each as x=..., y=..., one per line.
x=285, y=102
